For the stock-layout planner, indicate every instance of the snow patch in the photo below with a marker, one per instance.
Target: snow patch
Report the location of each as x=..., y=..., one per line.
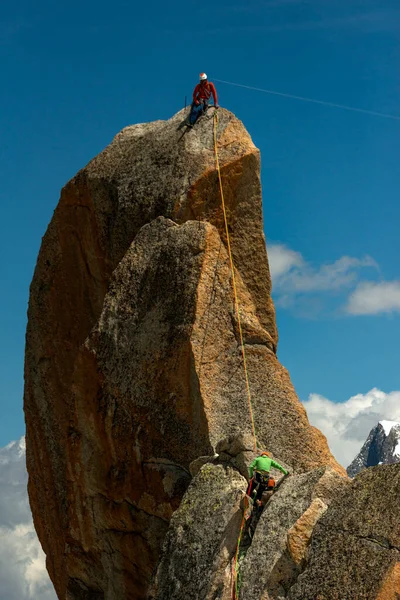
x=387, y=426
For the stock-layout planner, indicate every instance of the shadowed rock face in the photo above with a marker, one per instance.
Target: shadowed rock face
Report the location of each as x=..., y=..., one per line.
x=202, y=538
x=133, y=367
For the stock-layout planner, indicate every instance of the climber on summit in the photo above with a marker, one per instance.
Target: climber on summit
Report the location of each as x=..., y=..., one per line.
x=260, y=478
x=201, y=98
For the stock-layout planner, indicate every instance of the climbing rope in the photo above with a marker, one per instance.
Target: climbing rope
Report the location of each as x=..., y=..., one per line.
x=235, y=564
x=246, y=376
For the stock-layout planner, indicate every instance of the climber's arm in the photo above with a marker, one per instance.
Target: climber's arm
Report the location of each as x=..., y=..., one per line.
x=279, y=467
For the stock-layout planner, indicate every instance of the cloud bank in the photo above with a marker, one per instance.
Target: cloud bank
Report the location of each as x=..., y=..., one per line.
x=347, y=424
x=23, y=574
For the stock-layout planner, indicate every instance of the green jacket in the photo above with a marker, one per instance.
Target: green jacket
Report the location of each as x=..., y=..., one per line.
x=264, y=463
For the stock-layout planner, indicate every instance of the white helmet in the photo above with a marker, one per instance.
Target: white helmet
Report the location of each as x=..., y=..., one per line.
x=203, y=76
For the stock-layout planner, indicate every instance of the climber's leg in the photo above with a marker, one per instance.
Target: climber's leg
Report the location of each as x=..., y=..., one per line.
x=194, y=113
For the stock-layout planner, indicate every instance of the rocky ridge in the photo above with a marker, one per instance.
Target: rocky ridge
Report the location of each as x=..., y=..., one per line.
x=381, y=447
x=134, y=381
x=321, y=537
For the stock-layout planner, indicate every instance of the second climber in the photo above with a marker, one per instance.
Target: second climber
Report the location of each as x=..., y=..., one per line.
x=261, y=480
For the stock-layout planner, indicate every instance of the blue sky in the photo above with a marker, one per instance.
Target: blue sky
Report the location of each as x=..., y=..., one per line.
x=75, y=73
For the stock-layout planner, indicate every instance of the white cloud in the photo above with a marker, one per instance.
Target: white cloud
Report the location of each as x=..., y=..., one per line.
x=347, y=424
x=282, y=260
x=291, y=274
x=371, y=298
x=300, y=285
x=23, y=574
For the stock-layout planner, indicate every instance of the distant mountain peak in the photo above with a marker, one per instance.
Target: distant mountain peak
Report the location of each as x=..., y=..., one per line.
x=382, y=447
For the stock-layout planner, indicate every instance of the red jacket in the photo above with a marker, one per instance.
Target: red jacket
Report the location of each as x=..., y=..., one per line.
x=203, y=91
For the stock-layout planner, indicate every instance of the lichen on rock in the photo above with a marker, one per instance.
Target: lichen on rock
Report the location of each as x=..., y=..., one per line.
x=202, y=537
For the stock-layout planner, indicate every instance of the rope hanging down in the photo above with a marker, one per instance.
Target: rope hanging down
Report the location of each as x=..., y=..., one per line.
x=234, y=283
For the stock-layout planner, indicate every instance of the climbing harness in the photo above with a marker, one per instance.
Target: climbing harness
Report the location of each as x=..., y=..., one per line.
x=228, y=241
x=263, y=480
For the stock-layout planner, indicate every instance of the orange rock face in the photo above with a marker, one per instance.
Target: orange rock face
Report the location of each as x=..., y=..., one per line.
x=300, y=534
x=391, y=585
x=133, y=367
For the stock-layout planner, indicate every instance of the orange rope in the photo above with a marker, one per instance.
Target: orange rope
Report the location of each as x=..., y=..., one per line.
x=234, y=284
x=235, y=565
